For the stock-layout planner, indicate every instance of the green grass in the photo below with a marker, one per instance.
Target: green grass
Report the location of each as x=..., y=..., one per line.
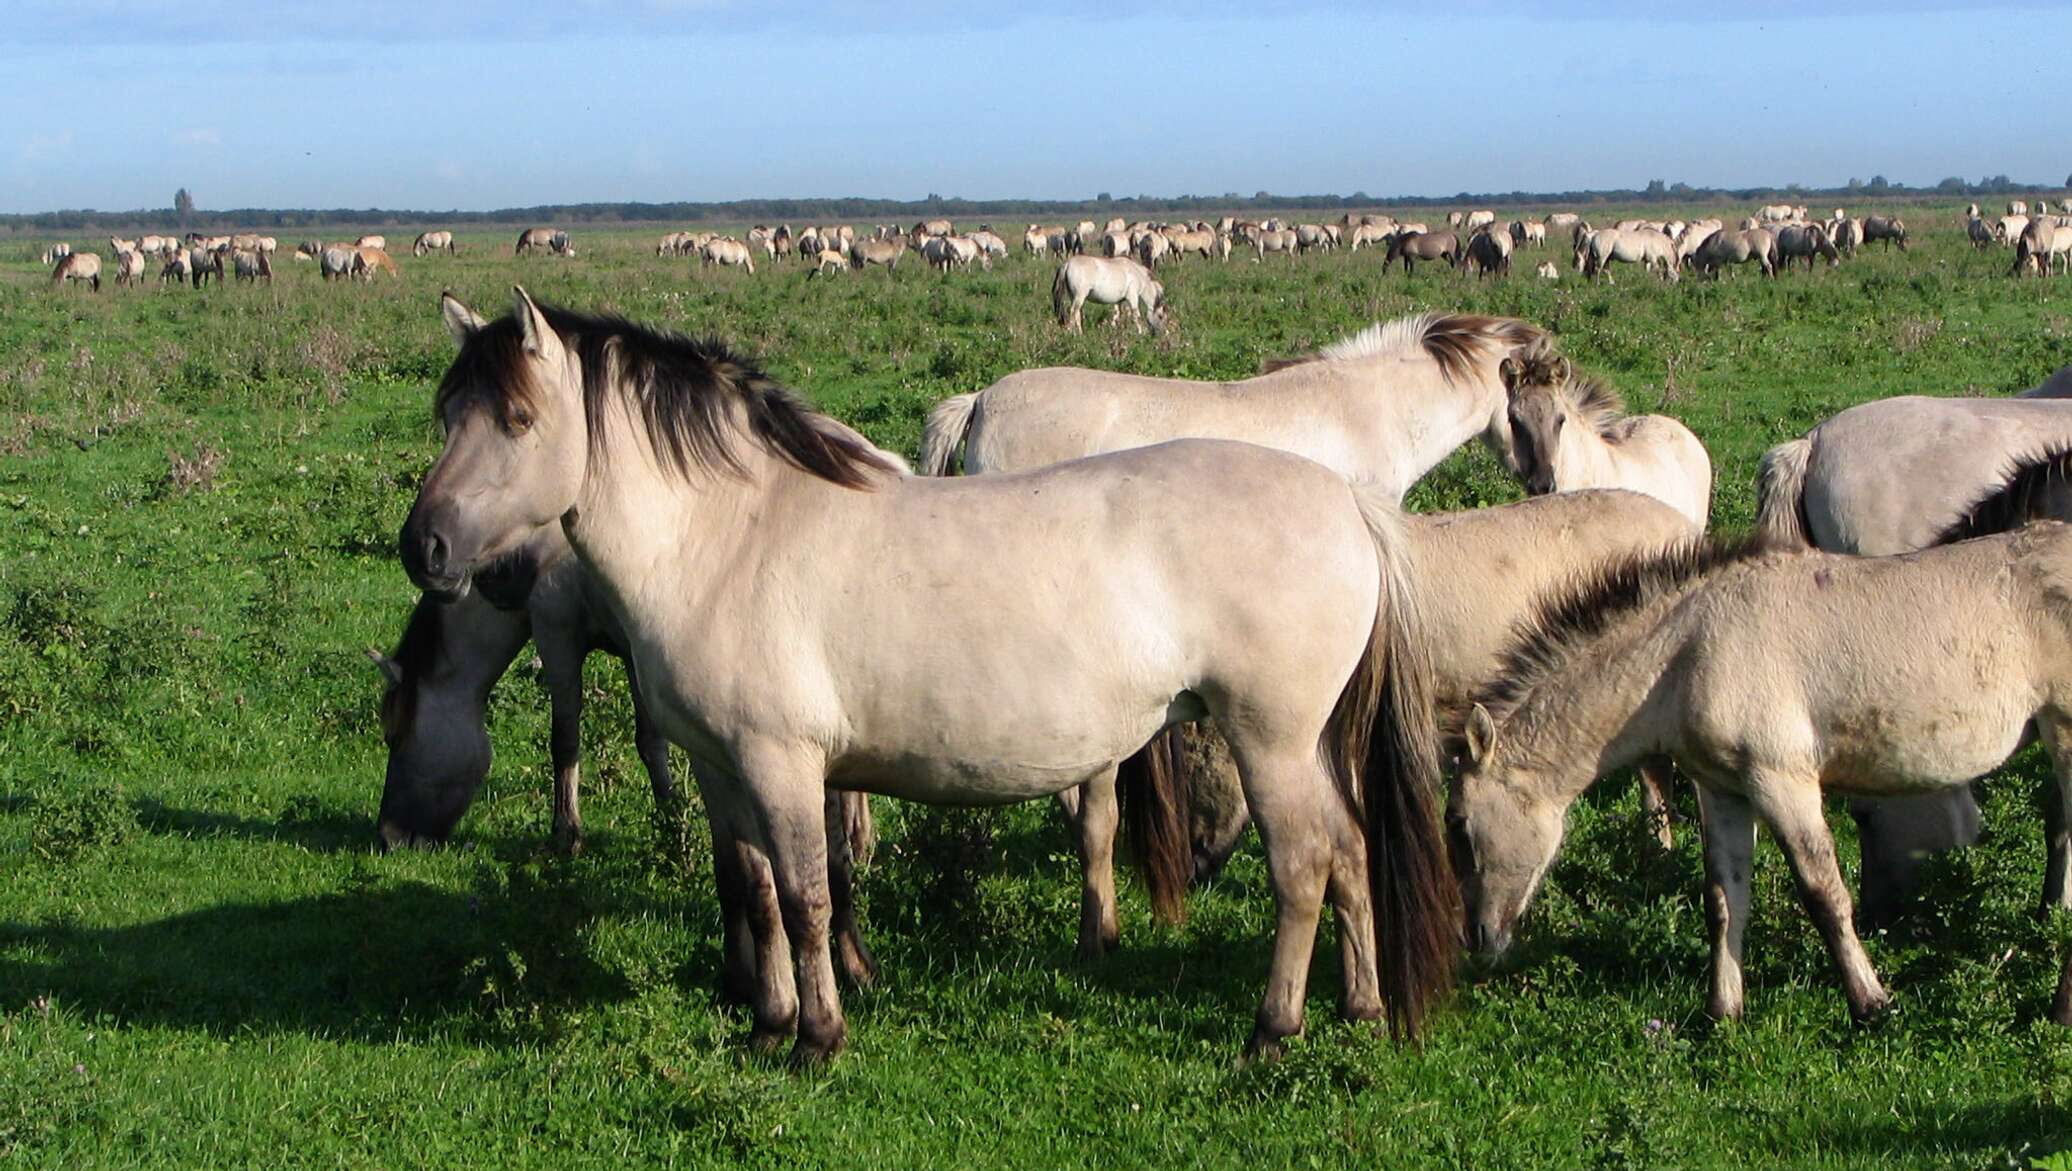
x=202, y=963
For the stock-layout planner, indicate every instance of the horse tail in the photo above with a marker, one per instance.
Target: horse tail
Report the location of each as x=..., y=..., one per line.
x=857, y=825
x=944, y=433
x=1060, y=294
x=1382, y=747
x=1154, y=786
x=1780, y=494
x=2022, y=495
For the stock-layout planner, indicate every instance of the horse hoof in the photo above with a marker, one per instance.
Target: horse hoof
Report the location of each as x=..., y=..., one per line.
x=1875, y=1011
x=858, y=967
x=1264, y=1048
x=816, y=1054
x=768, y=1039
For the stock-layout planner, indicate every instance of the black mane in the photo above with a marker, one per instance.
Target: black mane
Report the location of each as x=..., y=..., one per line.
x=685, y=390
x=1565, y=619
x=2015, y=502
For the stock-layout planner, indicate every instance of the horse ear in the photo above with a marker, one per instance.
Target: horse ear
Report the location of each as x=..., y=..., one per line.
x=1507, y=370
x=540, y=339
x=461, y=321
x=1561, y=370
x=389, y=668
x=1481, y=734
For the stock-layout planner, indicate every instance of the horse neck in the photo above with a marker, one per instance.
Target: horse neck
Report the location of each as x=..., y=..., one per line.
x=1585, y=458
x=476, y=645
x=1414, y=424
x=1601, y=710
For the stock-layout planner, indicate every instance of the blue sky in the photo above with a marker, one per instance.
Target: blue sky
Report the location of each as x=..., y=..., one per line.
x=112, y=104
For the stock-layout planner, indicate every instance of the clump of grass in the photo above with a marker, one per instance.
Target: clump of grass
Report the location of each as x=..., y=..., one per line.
x=186, y=474
x=70, y=820
x=1916, y=332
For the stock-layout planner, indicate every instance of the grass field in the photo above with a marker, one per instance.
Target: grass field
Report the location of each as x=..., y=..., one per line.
x=204, y=964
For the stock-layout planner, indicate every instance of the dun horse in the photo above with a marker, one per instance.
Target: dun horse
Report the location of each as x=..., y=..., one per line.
x=782, y=656
x=1108, y=280
x=1773, y=678
x=1569, y=432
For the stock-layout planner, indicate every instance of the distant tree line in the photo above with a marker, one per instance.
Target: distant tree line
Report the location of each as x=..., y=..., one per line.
x=184, y=216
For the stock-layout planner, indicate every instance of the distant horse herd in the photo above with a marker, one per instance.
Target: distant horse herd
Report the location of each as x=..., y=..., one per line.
x=1202, y=606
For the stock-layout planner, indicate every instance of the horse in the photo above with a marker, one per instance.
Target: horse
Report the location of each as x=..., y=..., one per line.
x=533, y=240
x=1737, y=246
x=703, y=496
x=1805, y=242
x=1894, y=476
x=129, y=267
x=1488, y=253
x=1771, y=678
x=77, y=266
x=428, y=242
x=368, y=261
x=828, y=260
x=1643, y=246
x=1847, y=235
x=1527, y=234
x=863, y=253
x=727, y=252
x=251, y=266
x=373, y=240
x=434, y=721
x=560, y=245
x=203, y=263
x=1267, y=240
x=1981, y=234
x=1548, y=270
x=1482, y=570
x=1605, y=448
x=2045, y=245
x=1891, y=229
x=1411, y=246
x=1106, y=280
x=177, y=268
x=1383, y=406
x=338, y=262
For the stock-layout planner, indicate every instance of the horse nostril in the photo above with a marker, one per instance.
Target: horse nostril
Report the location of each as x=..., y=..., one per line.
x=435, y=554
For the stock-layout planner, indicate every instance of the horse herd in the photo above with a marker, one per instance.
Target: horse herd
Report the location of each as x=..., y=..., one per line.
x=1190, y=607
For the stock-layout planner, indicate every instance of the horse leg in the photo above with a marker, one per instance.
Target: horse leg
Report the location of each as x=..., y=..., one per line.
x=739, y=967
x=1352, y=905
x=1099, y=815
x=843, y=844
x=1791, y=806
x=1729, y=837
x=649, y=742
x=788, y=789
x=1288, y=793
x=561, y=661
x=2057, y=816
x=1656, y=779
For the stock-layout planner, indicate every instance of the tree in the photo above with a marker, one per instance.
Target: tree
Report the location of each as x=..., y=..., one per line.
x=183, y=207
x=1952, y=186
x=1878, y=185
x=1657, y=189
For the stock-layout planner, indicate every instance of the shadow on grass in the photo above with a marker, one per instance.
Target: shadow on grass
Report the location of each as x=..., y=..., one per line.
x=370, y=964
x=320, y=831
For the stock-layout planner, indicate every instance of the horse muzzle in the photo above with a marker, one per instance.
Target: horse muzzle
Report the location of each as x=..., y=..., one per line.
x=1488, y=942
x=429, y=561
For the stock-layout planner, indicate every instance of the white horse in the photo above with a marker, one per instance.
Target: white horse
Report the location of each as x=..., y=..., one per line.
x=77, y=266
x=1569, y=433
x=1108, y=280
x=1646, y=247
x=1383, y=406
x=427, y=242
x=728, y=524
x=727, y=252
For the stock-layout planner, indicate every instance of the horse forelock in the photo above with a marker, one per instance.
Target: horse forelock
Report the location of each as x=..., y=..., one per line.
x=1566, y=620
x=685, y=391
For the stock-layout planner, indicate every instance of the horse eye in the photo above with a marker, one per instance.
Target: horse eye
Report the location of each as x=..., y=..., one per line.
x=520, y=419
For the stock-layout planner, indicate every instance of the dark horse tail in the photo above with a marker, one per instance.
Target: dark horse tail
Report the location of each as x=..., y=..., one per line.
x=1156, y=793
x=1382, y=747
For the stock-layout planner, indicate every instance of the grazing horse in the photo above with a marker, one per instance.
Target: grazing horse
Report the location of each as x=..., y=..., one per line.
x=1383, y=406
x=1569, y=433
x=1411, y=246
x=368, y=261
x=1526, y=234
x=177, y=269
x=1773, y=678
x=429, y=242
x=533, y=240
x=1847, y=235
x=2045, y=245
x=337, y=262
x=1738, y=246
x=863, y=253
x=368, y=241
x=1488, y=253
x=727, y=252
x=1889, y=228
x=203, y=263
x=1108, y=280
x=1646, y=247
x=1894, y=476
x=77, y=266
x=728, y=524
x=1805, y=242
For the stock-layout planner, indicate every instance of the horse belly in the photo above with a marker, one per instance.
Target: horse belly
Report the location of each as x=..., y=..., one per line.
x=1883, y=753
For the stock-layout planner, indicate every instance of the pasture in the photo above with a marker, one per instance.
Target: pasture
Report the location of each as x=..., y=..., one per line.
x=203, y=962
